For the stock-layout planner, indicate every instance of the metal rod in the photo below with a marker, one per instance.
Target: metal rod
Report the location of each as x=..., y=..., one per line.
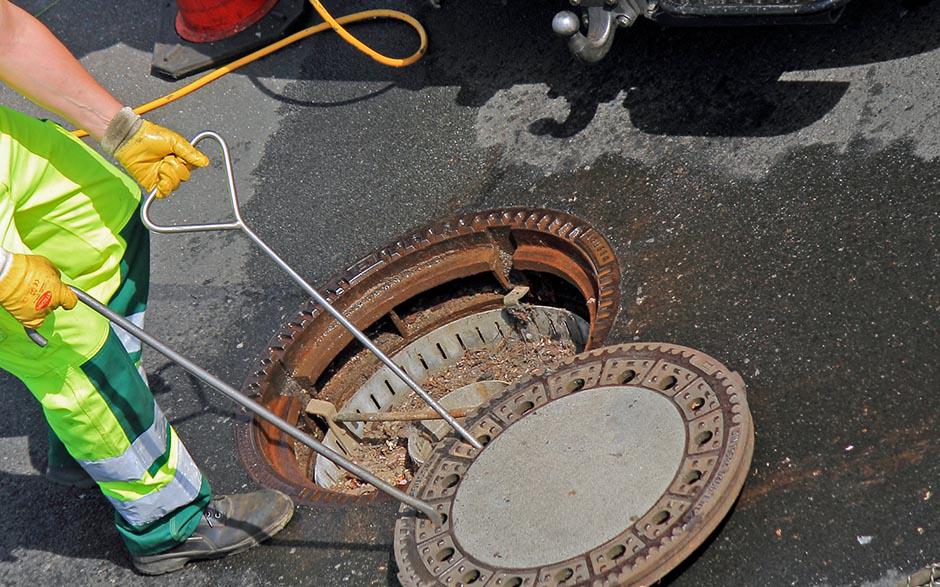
x=336, y=314
x=37, y=338
x=256, y=408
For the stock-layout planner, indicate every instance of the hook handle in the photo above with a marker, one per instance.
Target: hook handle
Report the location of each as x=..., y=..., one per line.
x=233, y=194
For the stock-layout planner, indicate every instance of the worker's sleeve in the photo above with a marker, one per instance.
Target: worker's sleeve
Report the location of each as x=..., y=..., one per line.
x=63, y=201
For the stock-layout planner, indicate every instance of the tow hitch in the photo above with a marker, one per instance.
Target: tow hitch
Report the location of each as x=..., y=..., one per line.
x=602, y=18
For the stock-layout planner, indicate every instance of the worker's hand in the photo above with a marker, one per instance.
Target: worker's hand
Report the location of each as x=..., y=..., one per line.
x=158, y=158
x=30, y=289
x=155, y=156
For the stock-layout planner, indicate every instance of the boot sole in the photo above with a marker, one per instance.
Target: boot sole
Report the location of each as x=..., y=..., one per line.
x=176, y=563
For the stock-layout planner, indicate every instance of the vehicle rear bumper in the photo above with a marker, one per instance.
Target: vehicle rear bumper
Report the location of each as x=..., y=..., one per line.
x=749, y=8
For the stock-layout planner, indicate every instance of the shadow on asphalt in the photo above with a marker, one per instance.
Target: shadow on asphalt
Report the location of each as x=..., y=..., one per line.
x=41, y=516
x=720, y=82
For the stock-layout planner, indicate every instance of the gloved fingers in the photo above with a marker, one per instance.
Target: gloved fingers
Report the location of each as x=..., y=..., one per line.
x=175, y=166
x=190, y=154
x=171, y=172
x=166, y=185
x=67, y=298
x=158, y=157
x=63, y=298
x=32, y=288
x=34, y=323
x=59, y=295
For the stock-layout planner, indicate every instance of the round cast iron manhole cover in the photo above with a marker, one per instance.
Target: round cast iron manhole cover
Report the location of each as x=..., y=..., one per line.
x=608, y=471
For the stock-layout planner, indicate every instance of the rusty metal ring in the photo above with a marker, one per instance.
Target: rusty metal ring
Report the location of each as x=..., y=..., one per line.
x=499, y=242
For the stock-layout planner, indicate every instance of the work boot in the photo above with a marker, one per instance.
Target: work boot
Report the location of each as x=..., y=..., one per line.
x=229, y=525
x=69, y=476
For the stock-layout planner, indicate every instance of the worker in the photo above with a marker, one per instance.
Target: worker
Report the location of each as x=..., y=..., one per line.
x=70, y=217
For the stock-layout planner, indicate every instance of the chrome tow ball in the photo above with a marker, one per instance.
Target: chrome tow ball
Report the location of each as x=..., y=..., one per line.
x=602, y=17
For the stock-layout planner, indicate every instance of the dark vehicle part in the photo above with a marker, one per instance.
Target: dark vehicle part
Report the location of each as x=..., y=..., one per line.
x=602, y=18
x=750, y=8
x=403, y=291
x=608, y=471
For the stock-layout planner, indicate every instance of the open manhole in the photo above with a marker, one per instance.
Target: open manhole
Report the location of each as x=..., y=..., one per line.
x=608, y=470
x=436, y=302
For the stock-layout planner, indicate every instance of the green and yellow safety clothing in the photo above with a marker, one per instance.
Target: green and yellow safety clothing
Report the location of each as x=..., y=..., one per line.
x=62, y=200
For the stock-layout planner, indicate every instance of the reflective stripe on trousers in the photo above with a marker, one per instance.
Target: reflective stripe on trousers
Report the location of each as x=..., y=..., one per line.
x=128, y=341
x=180, y=491
x=138, y=457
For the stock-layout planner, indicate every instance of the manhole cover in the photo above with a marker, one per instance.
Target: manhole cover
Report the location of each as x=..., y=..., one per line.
x=608, y=471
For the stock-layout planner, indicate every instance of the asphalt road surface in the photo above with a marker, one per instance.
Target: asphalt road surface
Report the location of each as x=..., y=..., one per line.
x=772, y=195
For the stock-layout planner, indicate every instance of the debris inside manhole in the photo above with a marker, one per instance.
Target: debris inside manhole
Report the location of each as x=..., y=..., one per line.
x=383, y=447
x=424, y=434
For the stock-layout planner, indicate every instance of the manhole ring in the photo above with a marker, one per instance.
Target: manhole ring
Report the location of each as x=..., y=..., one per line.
x=715, y=453
x=502, y=245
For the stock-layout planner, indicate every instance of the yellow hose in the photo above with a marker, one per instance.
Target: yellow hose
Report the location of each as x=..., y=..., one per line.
x=335, y=24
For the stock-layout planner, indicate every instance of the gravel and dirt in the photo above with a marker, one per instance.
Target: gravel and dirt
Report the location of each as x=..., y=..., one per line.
x=384, y=447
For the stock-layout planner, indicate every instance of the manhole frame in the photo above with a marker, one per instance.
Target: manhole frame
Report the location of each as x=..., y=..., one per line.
x=535, y=240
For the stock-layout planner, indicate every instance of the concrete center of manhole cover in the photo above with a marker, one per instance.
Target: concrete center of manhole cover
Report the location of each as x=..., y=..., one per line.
x=568, y=477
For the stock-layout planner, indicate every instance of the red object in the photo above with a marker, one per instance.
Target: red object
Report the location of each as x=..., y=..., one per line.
x=203, y=21
x=44, y=300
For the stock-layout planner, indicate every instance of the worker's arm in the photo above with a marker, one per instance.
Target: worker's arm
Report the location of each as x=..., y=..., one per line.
x=34, y=62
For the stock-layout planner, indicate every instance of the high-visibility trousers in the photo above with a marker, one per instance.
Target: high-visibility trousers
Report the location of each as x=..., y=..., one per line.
x=62, y=200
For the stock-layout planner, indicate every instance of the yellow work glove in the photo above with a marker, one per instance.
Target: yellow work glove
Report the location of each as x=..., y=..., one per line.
x=30, y=288
x=155, y=156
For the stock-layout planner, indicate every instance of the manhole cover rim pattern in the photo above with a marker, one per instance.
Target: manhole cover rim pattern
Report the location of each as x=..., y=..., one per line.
x=657, y=558
x=580, y=235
